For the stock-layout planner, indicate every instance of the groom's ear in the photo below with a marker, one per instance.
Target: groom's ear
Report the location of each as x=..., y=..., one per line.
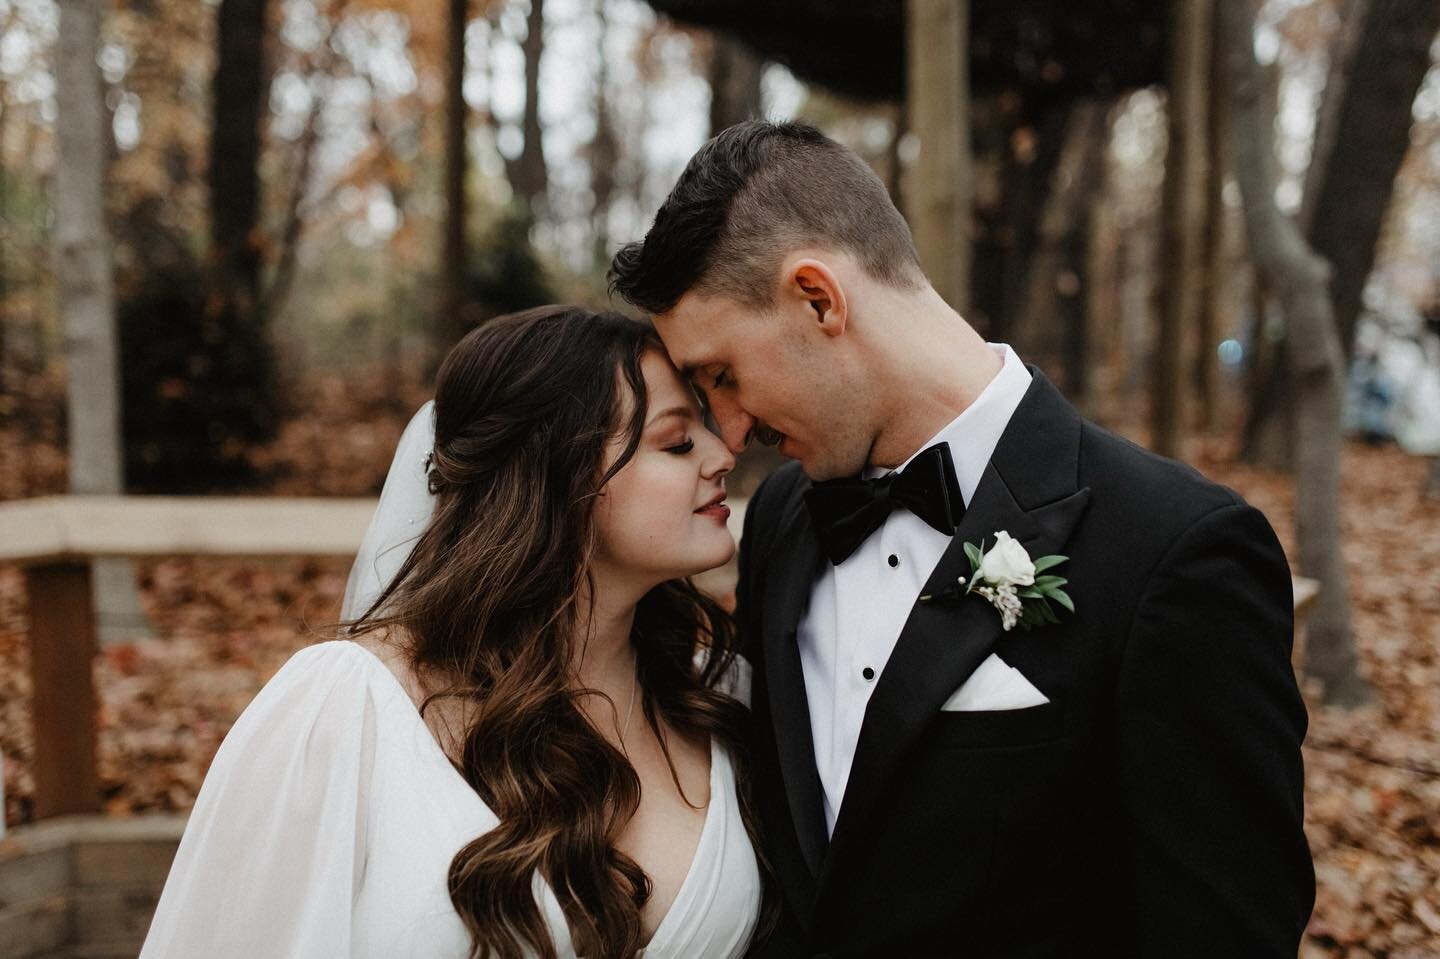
x=814, y=286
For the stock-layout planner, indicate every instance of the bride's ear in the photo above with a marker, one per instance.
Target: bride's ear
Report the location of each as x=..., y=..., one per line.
x=813, y=286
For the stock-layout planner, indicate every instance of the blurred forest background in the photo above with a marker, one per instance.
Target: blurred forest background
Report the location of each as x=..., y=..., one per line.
x=236, y=235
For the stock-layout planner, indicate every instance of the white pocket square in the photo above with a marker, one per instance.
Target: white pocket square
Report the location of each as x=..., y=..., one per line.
x=995, y=685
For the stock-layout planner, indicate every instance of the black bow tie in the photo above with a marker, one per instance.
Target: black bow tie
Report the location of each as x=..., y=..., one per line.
x=847, y=511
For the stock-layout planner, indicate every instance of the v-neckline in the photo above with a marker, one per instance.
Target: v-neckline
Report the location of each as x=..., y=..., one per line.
x=706, y=828
x=661, y=932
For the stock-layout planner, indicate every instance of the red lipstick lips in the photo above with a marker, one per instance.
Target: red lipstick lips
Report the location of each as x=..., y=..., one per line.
x=716, y=508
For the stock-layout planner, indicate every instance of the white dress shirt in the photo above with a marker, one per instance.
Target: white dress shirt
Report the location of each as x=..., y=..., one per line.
x=858, y=608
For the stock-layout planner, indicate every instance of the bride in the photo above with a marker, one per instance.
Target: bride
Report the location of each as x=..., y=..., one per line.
x=529, y=744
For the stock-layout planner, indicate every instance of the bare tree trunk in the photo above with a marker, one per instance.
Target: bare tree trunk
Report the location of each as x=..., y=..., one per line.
x=283, y=277
x=1352, y=14
x=1212, y=271
x=735, y=73
x=1267, y=436
x=87, y=301
x=939, y=190
x=1368, y=133
x=1102, y=302
x=1361, y=135
x=604, y=152
x=1079, y=258
x=453, y=323
x=1004, y=247
x=320, y=67
x=82, y=257
x=232, y=343
x=240, y=94
x=1047, y=323
x=531, y=176
x=1297, y=278
x=1182, y=217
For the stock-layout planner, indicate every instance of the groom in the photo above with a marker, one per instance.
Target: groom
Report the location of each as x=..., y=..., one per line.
x=1124, y=782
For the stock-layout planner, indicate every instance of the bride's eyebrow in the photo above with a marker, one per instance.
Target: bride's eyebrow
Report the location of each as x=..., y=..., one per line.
x=683, y=412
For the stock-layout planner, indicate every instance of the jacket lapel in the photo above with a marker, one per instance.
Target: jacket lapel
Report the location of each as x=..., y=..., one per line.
x=793, y=569
x=1028, y=490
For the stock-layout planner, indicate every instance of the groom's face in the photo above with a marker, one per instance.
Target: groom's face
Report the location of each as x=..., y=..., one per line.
x=770, y=374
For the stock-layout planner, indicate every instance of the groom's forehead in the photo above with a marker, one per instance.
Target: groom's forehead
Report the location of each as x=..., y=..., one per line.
x=698, y=330
x=686, y=340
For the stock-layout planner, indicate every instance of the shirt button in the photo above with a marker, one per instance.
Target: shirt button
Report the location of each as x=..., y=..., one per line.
x=893, y=560
x=868, y=673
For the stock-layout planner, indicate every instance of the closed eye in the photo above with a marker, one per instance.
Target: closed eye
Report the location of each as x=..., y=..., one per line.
x=682, y=448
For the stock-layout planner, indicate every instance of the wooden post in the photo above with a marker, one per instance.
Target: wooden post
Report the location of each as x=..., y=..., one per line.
x=62, y=662
x=939, y=191
x=1182, y=206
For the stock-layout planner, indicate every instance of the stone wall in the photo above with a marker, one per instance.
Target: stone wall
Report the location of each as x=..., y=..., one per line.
x=83, y=887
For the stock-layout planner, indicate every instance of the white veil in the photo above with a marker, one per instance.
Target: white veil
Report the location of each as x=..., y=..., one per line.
x=406, y=505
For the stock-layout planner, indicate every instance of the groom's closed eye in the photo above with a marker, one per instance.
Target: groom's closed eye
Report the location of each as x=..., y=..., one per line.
x=706, y=375
x=706, y=380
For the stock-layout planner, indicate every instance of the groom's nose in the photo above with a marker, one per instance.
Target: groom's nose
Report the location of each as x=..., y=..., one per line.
x=735, y=425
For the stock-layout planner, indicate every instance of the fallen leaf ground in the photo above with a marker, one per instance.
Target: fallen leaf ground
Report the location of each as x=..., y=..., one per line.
x=223, y=627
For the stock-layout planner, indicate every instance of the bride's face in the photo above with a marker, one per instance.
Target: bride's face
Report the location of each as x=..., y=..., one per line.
x=662, y=516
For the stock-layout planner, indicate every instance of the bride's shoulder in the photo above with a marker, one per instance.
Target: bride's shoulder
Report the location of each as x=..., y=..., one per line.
x=333, y=661
x=326, y=682
x=318, y=717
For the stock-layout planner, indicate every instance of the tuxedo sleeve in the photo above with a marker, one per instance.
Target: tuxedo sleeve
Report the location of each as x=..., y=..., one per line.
x=1210, y=723
x=783, y=940
x=755, y=536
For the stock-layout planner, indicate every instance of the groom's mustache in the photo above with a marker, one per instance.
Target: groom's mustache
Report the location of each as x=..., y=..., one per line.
x=767, y=435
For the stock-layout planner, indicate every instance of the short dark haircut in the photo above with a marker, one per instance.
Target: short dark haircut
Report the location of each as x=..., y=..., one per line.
x=747, y=197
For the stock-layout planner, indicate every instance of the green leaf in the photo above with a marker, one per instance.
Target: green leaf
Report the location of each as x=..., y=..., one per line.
x=975, y=554
x=1046, y=562
x=1038, y=613
x=1049, y=582
x=1061, y=597
x=1030, y=593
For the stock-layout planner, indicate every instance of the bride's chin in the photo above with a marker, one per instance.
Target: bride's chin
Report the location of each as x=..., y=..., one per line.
x=706, y=560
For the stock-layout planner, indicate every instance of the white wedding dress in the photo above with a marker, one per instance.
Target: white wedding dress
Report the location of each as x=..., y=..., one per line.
x=329, y=818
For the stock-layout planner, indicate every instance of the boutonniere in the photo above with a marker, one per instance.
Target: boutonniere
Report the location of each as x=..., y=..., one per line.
x=1010, y=580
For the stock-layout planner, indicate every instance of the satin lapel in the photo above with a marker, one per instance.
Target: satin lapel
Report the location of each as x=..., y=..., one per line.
x=941, y=644
x=792, y=571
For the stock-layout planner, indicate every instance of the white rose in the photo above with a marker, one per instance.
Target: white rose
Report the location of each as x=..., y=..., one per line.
x=1007, y=563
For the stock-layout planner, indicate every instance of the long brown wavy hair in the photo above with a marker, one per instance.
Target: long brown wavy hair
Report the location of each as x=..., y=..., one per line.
x=491, y=598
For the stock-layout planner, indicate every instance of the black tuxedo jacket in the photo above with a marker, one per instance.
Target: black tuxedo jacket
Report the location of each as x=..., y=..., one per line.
x=1153, y=808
